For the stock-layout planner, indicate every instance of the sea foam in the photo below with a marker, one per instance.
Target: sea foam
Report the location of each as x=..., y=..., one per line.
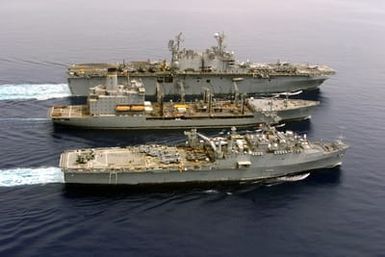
x=33, y=91
x=30, y=176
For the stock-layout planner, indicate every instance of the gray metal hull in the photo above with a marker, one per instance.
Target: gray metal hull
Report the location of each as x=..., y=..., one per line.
x=296, y=114
x=262, y=168
x=140, y=122
x=220, y=84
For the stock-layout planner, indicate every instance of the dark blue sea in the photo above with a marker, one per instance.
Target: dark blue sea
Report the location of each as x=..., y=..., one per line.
x=340, y=212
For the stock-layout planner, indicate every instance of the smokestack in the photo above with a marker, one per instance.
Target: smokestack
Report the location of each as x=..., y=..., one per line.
x=112, y=79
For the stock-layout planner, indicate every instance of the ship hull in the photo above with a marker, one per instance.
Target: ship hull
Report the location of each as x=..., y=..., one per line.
x=297, y=114
x=139, y=123
x=265, y=169
x=219, y=84
x=143, y=122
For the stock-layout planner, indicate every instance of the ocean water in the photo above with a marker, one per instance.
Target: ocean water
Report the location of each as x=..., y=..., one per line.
x=334, y=213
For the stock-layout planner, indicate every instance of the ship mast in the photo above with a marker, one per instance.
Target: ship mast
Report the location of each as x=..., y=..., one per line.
x=220, y=37
x=174, y=47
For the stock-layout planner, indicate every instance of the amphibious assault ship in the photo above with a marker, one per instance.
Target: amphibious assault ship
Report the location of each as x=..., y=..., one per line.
x=262, y=156
x=216, y=68
x=113, y=106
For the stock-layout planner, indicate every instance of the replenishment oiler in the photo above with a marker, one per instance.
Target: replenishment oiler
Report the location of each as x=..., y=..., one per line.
x=267, y=155
x=113, y=106
x=216, y=68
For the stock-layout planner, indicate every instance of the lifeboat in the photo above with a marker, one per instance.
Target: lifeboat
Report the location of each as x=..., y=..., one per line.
x=123, y=108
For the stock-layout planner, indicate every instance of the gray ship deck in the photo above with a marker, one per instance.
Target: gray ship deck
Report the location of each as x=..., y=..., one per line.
x=278, y=105
x=133, y=159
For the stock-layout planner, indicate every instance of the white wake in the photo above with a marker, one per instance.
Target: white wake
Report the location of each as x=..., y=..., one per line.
x=33, y=91
x=30, y=176
x=24, y=119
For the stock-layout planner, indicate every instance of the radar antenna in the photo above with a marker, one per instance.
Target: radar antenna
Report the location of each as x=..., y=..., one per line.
x=220, y=37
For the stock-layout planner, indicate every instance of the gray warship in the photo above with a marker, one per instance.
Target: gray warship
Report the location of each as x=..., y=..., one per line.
x=216, y=68
x=113, y=106
x=263, y=156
